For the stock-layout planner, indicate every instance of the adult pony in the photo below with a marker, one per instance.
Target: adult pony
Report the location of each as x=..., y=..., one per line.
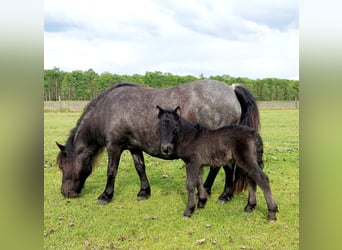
x=198, y=146
x=122, y=118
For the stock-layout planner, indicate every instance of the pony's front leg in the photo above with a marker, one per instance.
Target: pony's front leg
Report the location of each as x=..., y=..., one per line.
x=113, y=164
x=145, y=189
x=192, y=172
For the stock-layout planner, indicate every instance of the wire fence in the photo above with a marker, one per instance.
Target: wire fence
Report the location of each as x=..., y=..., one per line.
x=77, y=106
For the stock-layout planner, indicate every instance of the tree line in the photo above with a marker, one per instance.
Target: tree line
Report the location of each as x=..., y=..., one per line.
x=85, y=85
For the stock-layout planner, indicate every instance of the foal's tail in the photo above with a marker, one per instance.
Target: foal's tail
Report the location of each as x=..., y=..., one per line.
x=249, y=117
x=259, y=149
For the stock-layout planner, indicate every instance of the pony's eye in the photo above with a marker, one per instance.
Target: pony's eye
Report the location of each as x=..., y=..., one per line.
x=175, y=131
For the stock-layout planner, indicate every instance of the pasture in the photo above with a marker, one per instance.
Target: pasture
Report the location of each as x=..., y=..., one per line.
x=158, y=223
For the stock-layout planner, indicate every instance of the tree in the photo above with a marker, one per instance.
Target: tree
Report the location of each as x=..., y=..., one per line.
x=52, y=81
x=86, y=85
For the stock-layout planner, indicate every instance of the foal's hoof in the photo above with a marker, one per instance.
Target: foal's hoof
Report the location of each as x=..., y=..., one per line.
x=201, y=203
x=188, y=212
x=271, y=218
x=249, y=208
x=272, y=214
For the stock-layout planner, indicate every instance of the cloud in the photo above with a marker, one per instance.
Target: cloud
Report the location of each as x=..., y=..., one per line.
x=254, y=39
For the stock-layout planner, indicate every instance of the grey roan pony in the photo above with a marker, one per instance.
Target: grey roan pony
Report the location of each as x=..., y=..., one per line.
x=198, y=146
x=123, y=118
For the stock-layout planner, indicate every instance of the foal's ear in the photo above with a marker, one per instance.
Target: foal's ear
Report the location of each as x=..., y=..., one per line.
x=177, y=112
x=60, y=146
x=161, y=111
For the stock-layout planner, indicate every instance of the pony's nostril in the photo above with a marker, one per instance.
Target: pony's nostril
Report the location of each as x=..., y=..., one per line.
x=166, y=149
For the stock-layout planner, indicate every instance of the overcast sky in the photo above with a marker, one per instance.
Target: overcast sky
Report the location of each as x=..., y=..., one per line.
x=251, y=38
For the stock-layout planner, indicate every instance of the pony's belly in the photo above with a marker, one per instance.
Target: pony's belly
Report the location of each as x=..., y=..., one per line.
x=220, y=158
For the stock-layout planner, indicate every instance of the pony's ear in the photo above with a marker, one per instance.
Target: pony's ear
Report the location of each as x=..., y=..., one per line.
x=161, y=111
x=61, y=147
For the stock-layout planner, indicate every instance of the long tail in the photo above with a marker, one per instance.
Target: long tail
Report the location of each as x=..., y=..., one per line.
x=249, y=108
x=249, y=117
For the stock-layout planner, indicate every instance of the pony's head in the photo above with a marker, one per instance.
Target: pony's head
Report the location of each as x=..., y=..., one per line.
x=168, y=128
x=76, y=166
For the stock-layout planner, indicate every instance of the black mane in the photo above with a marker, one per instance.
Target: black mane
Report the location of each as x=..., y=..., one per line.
x=89, y=107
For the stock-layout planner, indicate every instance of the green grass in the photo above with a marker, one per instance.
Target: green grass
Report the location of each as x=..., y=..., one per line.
x=158, y=223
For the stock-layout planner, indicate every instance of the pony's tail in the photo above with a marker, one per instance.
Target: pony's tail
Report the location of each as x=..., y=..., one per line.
x=249, y=117
x=249, y=108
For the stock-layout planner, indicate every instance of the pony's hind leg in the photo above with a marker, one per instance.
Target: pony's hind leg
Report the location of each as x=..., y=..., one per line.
x=210, y=179
x=228, y=192
x=112, y=169
x=145, y=189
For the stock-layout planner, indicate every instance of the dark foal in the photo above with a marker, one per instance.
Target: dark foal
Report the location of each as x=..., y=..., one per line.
x=198, y=147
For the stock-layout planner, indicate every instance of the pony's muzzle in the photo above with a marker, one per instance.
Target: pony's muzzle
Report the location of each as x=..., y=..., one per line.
x=69, y=194
x=166, y=149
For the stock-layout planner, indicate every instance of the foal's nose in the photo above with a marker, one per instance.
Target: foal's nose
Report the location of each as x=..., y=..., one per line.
x=166, y=148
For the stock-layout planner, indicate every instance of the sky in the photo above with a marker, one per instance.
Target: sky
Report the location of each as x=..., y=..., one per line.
x=251, y=38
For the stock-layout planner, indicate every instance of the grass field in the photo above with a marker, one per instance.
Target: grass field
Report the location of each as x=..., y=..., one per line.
x=158, y=223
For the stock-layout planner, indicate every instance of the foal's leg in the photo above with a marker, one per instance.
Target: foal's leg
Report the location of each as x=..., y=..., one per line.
x=145, y=189
x=192, y=172
x=251, y=203
x=114, y=154
x=262, y=180
x=202, y=193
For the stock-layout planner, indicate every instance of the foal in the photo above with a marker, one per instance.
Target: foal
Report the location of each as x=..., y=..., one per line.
x=198, y=146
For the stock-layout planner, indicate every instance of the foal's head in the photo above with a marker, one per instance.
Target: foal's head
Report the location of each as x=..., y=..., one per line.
x=168, y=128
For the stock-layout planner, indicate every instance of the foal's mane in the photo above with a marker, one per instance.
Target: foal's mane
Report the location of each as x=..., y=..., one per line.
x=87, y=111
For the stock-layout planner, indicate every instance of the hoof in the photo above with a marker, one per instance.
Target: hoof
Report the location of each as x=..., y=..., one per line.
x=142, y=198
x=186, y=216
x=104, y=199
x=221, y=201
x=188, y=212
x=201, y=203
x=272, y=214
x=249, y=208
x=271, y=218
x=224, y=198
x=144, y=194
x=102, y=202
